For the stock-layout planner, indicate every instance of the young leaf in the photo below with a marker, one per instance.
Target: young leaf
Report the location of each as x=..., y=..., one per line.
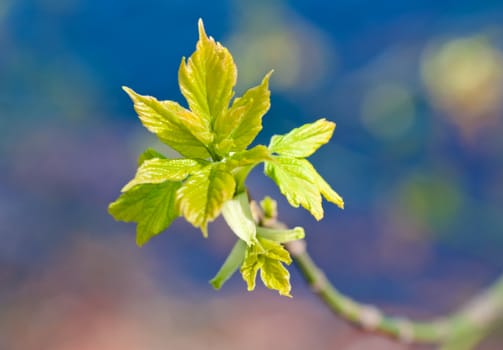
x=270, y=207
x=327, y=191
x=159, y=170
x=241, y=163
x=296, y=182
x=176, y=126
x=274, y=250
x=236, y=129
x=238, y=216
x=281, y=236
x=252, y=263
x=149, y=153
x=152, y=206
x=275, y=276
x=304, y=141
x=252, y=156
x=208, y=77
x=203, y=194
x=231, y=264
x=267, y=256
x=301, y=184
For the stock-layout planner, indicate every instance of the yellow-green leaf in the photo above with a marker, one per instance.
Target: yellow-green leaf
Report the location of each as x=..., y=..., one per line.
x=274, y=250
x=149, y=153
x=295, y=180
x=301, y=184
x=176, y=126
x=251, y=264
x=158, y=170
x=241, y=163
x=327, y=191
x=303, y=141
x=275, y=276
x=252, y=156
x=203, y=194
x=152, y=206
x=270, y=207
x=236, y=129
x=268, y=257
x=238, y=216
x=208, y=77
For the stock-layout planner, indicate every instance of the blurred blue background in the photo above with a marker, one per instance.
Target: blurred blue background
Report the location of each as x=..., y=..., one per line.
x=416, y=90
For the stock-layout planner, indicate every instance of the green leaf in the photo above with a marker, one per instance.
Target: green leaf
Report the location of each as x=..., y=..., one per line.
x=238, y=216
x=149, y=153
x=267, y=256
x=152, y=206
x=301, y=184
x=274, y=250
x=304, y=141
x=270, y=207
x=236, y=129
x=294, y=178
x=232, y=263
x=281, y=236
x=241, y=163
x=203, y=194
x=251, y=156
x=176, y=126
x=251, y=264
x=158, y=170
x=207, y=78
x=327, y=191
x=275, y=276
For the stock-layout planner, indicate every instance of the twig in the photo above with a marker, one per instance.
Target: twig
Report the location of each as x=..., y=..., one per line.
x=475, y=317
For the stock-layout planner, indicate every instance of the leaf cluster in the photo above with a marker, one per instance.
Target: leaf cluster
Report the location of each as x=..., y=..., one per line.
x=213, y=137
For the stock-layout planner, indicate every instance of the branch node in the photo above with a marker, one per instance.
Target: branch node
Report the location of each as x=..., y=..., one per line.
x=370, y=317
x=442, y=326
x=256, y=212
x=481, y=311
x=319, y=282
x=405, y=331
x=296, y=248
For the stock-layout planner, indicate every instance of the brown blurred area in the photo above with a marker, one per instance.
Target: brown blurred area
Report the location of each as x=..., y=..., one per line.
x=94, y=295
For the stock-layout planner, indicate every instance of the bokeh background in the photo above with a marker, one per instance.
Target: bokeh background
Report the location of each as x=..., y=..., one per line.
x=416, y=90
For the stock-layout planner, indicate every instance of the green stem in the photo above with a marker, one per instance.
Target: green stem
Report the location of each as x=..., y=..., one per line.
x=475, y=317
x=473, y=320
